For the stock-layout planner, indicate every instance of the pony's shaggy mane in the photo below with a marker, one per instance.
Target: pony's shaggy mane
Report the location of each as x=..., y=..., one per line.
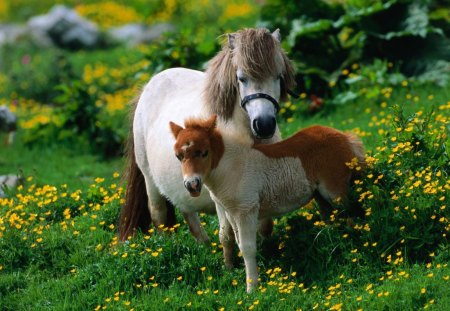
x=259, y=55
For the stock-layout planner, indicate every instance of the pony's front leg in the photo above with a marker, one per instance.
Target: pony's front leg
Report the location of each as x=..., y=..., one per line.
x=246, y=222
x=196, y=227
x=226, y=236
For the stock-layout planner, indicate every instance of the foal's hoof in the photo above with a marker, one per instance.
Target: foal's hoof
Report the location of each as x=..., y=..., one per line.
x=251, y=288
x=229, y=265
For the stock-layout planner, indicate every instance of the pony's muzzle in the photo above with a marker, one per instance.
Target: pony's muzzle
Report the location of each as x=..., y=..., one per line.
x=264, y=126
x=193, y=185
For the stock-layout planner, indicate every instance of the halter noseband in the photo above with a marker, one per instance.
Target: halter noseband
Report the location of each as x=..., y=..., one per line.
x=248, y=98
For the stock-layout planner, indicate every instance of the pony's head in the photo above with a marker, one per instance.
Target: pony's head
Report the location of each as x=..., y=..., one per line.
x=198, y=147
x=252, y=69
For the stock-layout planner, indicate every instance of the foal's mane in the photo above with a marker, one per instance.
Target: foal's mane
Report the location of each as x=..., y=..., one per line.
x=259, y=55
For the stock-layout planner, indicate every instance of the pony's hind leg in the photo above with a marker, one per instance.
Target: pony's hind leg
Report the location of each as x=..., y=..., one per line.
x=325, y=207
x=161, y=210
x=265, y=227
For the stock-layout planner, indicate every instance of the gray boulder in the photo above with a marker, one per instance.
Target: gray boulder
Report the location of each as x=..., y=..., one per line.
x=8, y=123
x=9, y=182
x=135, y=34
x=8, y=120
x=11, y=33
x=65, y=28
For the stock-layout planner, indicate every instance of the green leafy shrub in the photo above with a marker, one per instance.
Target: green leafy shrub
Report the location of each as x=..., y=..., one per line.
x=326, y=37
x=77, y=118
x=180, y=50
x=405, y=189
x=33, y=74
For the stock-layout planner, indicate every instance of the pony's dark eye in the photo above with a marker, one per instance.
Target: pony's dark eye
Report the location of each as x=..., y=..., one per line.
x=205, y=154
x=242, y=80
x=180, y=156
x=279, y=77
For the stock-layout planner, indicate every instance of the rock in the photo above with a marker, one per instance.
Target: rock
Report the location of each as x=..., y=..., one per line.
x=65, y=28
x=135, y=34
x=8, y=123
x=11, y=33
x=8, y=120
x=9, y=182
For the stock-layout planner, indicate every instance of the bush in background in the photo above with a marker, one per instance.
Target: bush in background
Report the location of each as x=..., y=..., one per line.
x=327, y=37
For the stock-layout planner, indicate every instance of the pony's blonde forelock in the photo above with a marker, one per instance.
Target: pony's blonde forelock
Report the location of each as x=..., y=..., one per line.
x=258, y=54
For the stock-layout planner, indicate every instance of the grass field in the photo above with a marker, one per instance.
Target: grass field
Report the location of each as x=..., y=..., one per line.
x=59, y=249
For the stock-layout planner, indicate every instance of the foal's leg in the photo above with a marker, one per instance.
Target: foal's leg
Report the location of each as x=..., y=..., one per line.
x=330, y=190
x=246, y=223
x=325, y=207
x=226, y=236
x=196, y=227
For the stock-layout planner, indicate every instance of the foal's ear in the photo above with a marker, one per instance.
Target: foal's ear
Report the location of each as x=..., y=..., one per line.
x=175, y=128
x=211, y=123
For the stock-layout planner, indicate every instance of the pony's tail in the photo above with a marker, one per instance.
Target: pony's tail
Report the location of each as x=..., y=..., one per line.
x=134, y=213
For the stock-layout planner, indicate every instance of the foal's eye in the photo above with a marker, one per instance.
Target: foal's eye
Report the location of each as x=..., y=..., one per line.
x=200, y=153
x=180, y=156
x=279, y=76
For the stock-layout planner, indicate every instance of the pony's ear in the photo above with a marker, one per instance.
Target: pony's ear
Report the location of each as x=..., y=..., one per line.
x=231, y=38
x=276, y=35
x=175, y=128
x=211, y=123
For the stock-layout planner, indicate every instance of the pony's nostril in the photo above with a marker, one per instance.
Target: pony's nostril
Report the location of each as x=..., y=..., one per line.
x=264, y=127
x=255, y=126
x=186, y=184
x=193, y=185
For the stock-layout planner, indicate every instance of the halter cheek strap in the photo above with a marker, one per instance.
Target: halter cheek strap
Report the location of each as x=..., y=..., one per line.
x=248, y=98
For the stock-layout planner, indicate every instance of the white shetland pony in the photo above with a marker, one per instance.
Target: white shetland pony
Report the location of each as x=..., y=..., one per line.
x=242, y=85
x=251, y=182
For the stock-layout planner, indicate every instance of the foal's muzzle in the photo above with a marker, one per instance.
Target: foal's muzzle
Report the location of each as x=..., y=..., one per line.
x=193, y=185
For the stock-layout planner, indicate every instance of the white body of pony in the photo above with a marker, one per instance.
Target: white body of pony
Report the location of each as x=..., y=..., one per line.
x=251, y=63
x=252, y=182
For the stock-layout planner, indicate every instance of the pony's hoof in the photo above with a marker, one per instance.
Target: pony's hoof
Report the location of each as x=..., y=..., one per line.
x=203, y=239
x=229, y=265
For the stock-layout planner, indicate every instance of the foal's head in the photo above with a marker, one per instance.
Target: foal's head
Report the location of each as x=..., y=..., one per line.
x=199, y=148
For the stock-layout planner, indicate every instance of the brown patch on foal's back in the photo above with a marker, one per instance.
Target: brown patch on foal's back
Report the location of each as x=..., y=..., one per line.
x=323, y=152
